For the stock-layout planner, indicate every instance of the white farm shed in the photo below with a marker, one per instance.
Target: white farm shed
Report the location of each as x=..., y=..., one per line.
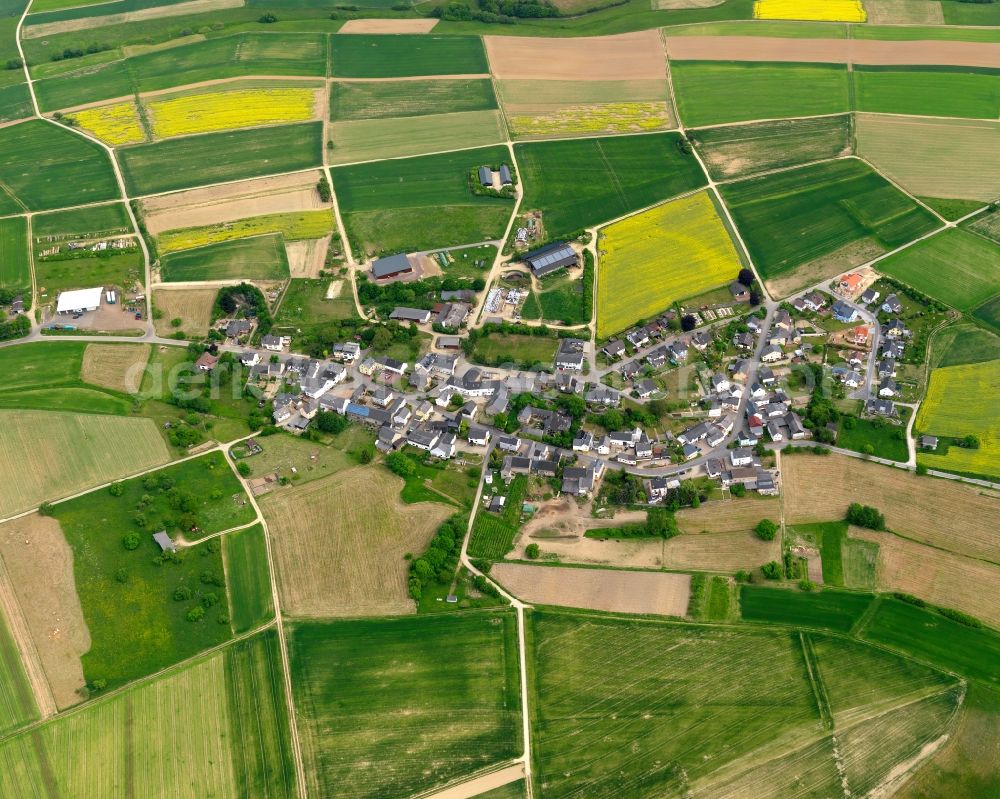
x=80, y=300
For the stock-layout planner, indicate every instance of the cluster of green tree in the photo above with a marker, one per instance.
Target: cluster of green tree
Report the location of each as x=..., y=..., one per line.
x=18, y=327
x=323, y=189
x=438, y=563
x=865, y=516
x=813, y=450
x=746, y=278
x=245, y=300
x=418, y=294
x=503, y=12
x=660, y=523
x=400, y=463
x=772, y=570
x=622, y=488
x=80, y=52
x=766, y=530
x=330, y=422
x=948, y=613
x=820, y=411
x=14, y=63
x=630, y=417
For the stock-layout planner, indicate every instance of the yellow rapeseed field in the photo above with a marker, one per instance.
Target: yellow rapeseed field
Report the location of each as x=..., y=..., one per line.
x=650, y=260
x=817, y=10
x=113, y=124
x=631, y=117
x=294, y=226
x=961, y=401
x=240, y=108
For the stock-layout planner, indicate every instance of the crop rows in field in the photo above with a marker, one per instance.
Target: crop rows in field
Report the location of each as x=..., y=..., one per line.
x=647, y=262
x=408, y=98
x=248, y=577
x=95, y=221
x=17, y=704
x=291, y=226
x=406, y=55
x=15, y=270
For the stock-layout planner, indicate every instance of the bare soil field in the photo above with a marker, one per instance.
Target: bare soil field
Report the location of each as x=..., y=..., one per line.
x=942, y=578
x=39, y=564
x=847, y=257
x=679, y=5
x=726, y=552
x=339, y=543
x=87, y=23
x=299, y=199
x=835, y=51
x=306, y=258
x=727, y=516
x=116, y=366
x=563, y=517
x=941, y=513
x=192, y=306
x=946, y=158
x=388, y=26
x=597, y=589
x=628, y=56
x=909, y=12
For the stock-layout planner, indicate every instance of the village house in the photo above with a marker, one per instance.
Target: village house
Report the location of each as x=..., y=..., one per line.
x=869, y=296
x=603, y=395
x=206, y=362
x=645, y=389
x=613, y=349
x=347, y=351
x=880, y=407
x=844, y=312
x=275, y=343
x=892, y=305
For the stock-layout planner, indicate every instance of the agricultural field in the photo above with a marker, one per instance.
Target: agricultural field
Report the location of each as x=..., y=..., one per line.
x=119, y=367
x=738, y=151
x=17, y=704
x=352, y=100
x=927, y=91
x=115, y=124
x=625, y=173
x=963, y=343
x=404, y=56
x=218, y=157
x=160, y=596
x=955, y=267
x=254, y=258
x=45, y=166
x=848, y=560
x=15, y=268
x=192, y=306
x=92, y=222
x=244, y=554
x=939, y=513
x=713, y=92
x=810, y=10
x=291, y=226
x=362, y=692
x=986, y=224
x=372, y=139
x=816, y=221
x=649, y=261
x=59, y=274
x=961, y=401
x=989, y=312
x=305, y=306
x=910, y=152
x=827, y=609
x=230, y=110
x=419, y=203
x=356, y=566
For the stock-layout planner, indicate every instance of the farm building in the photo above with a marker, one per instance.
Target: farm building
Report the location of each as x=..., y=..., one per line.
x=391, y=266
x=505, y=176
x=165, y=542
x=79, y=300
x=485, y=176
x=548, y=259
x=410, y=315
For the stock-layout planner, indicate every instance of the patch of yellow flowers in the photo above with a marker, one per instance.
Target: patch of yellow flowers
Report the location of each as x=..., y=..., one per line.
x=115, y=124
x=294, y=226
x=633, y=117
x=814, y=10
x=227, y=110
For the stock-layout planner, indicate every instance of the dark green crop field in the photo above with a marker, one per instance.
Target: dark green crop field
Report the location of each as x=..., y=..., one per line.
x=930, y=91
x=790, y=218
x=15, y=270
x=581, y=183
x=15, y=102
x=46, y=166
x=356, y=56
x=217, y=157
x=392, y=707
x=250, y=599
x=827, y=609
x=408, y=98
x=94, y=220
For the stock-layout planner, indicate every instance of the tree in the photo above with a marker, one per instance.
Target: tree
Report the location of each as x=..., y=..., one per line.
x=195, y=614
x=865, y=516
x=116, y=489
x=738, y=490
x=131, y=541
x=766, y=530
x=121, y=575
x=268, y=19
x=182, y=594
x=365, y=456
x=867, y=449
x=743, y=576
x=807, y=585
x=687, y=323
x=532, y=551
x=400, y=464
x=772, y=570
x=971, y=442
x=755, y=297
x=330, y=422
x=243, y=468
x=745, y=277
x=921, y=469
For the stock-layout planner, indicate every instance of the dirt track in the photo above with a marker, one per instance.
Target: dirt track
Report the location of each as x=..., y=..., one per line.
x=625, y=57
x=858, y=51
x=388, y=26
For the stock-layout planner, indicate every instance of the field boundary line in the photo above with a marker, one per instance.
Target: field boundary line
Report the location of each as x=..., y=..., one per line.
x=893, y=182
x=816, y=681
x=486, y=771
x=865, y=618
x=780, y=169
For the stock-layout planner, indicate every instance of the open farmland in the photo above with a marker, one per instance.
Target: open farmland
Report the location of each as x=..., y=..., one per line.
x=739, y=151
x=17, y=705
x=625, y=173
x=357, y=56
x=816, y=221
x=928, y=91
x=710, y=92
x=961, y=401
x=408, y=98
x=986, y=224
x=371, y=139
x=941, y=158
x=419, y=203
x=40, y=160
x=958, y=268
x=815, y=10
x=962, y=343
x=228, y=110
x=674, y=729
x=59, y=274
x=218, y=157
x=305, y=306
x=94, y=221
x=15, y=269
x=114, y=124
x=940, y=513
x=661, y=256
x=827, y=609
x=291, y=226
x=52, y=454
x=245, y=556
x=361, y=693
x=989, y=312
x=116, y=366
x=356, y=566
x=192, y=306
x=255, y=258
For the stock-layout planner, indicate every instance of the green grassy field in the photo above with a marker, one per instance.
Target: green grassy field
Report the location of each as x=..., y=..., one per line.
x=827, y=609
x=255, y=258
x=986, y=224
x=15, y=102
x=710, y=92
x=419, y=203
x=92, y=221
x=963, y=343
x=956, y=267
x=514, y=348
x=625, y=173
x=46, y=166
x=408, y=98
x=248, y=577
x=394, y=707
x=889, y=441
x=15, y=269
x=802, y=215
x=989, y=312
x=153, y=632
x=403, y=56
x=57, y=275
x=216, y=157
x=562, y=300
x=17, y=704
x=928, y=91
x=305, y=306
x=741, y=150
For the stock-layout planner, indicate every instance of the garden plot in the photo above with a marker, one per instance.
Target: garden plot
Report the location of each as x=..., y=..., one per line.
x=629, y=56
